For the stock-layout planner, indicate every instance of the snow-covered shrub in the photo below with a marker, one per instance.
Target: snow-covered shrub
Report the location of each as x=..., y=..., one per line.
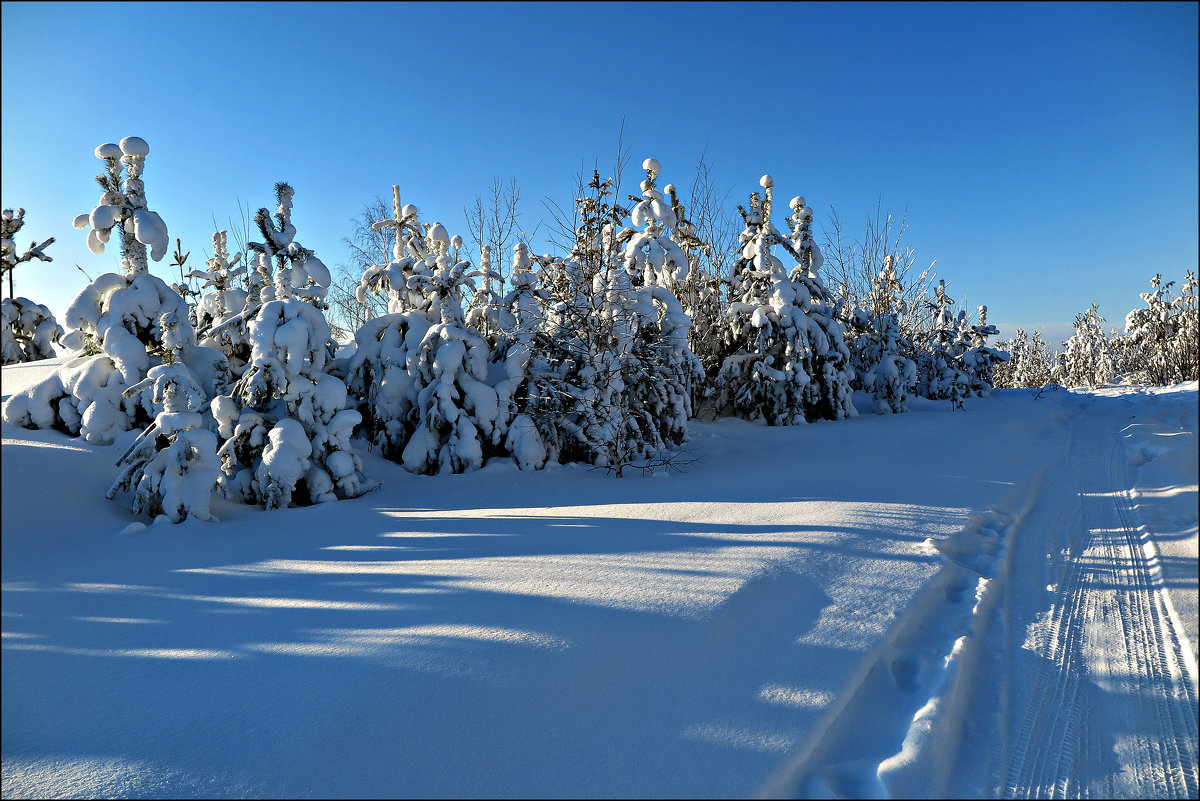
x=28, y=332
x=379, y=382
x=1087, y=358
x=420, y=375
x=455, y=408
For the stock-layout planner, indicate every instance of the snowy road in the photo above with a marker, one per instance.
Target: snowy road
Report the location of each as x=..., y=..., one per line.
x=1101, y=699
x=1073, y=676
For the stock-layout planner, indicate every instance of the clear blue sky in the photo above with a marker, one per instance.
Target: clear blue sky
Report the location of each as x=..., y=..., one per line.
x=1046, y=154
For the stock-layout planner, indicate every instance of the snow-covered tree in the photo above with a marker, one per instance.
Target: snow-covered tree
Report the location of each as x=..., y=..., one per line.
x=665, y=369
x=1087, y=358
x=220, y=306
x=765, y=376
x=1164, y=334
x=1031, y=362
x=286, y=426
x=308, y=277
x=888, y=373
x=10, y=224
x=28, y=331
x=172, y=467
x=828, y=396
x=978, y=358
x=789, y=362
x=115, y=320
x=940, y=373
x=434, y=410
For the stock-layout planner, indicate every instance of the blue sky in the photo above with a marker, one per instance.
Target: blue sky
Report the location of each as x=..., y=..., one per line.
x=1046, y=154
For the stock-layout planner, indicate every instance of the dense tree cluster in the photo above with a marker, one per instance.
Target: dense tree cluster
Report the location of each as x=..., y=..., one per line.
x=600, y=355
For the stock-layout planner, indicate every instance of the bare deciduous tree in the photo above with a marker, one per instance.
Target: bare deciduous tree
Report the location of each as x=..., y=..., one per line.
x=494, y=222
x=852, y=267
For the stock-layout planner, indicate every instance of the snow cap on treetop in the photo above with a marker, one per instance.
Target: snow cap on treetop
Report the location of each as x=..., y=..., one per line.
x=409, y=210
x=108, y=151
x=651, y=164
x=437, y=232
x=766, y=182
x=669, y=189
x=134, y=146
x=797, y=202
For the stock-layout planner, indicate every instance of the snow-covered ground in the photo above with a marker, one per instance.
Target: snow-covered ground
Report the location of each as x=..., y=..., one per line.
x=1001, y=601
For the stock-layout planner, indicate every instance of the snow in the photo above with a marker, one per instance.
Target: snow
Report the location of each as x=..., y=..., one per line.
x=846, y=608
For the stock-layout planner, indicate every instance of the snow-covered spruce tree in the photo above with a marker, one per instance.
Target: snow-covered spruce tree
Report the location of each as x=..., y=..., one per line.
x=522, y=316
x=978, y=359
x=286, y=426
x=10, y=225
x=1087, y=358
x=581, y=370
x=828, y=396
x=28, y=331
x=114, y=320
x=222, y=304
x=172, y=467
x=1031, y=363
x=780, y=327
x=660, y=396
x=765, y=376
x=700, y=297
x=888, y=372
x=939, y=354
x=435, y=411
x=308, y=277
x=1164, y=334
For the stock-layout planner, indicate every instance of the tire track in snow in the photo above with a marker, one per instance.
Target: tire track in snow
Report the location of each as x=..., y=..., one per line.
x=1111, y=707
x=1069, y=670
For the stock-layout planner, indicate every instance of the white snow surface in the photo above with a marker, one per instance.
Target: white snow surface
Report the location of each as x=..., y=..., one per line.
x=992, y=602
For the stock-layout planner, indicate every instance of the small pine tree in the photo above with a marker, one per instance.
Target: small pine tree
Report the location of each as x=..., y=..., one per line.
x=979, y=360
x=1164, y=346
x=10, y=225
x=172, y=467
x=765, y=377
x=940, y=373
x=1087, y=358
x=116, y=319
x=286, y=425
x=888, y=372
x=28, y=331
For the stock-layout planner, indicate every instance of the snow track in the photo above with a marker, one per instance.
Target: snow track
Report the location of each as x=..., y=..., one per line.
x=1111, y=696
x=1069, y=677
